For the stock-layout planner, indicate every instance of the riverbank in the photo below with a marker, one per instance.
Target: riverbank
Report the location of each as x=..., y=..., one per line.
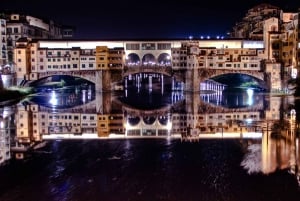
x=12, y=95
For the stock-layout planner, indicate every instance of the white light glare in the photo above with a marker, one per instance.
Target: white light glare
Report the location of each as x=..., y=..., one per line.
x=53, y=99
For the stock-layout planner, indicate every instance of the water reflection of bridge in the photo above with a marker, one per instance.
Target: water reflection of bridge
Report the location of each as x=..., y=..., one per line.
x=105, y=115
x=90, y=119
x=205, y=107
x=213, y=103
x=166, y=70
x=127, y=121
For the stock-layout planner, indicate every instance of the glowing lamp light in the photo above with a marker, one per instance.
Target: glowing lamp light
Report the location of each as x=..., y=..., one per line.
x=294, y=73
x=169, y=125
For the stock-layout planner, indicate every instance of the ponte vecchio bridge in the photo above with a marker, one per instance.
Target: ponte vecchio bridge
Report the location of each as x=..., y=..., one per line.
x=107, y=63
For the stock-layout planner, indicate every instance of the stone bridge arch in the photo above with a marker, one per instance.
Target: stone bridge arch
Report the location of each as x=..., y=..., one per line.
x=164, y=59
x=133, y=59
x=91, y=76
x=205, y=74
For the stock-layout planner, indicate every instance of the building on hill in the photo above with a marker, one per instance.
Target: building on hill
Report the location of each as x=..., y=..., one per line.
x=266, y=39
x=14, y=26
x=280, y=32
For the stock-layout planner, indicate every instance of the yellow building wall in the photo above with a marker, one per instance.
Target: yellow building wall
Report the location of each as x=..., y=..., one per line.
x=102, y=53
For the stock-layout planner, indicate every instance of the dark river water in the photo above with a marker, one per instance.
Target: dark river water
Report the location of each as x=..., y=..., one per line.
x=150, y=169
x=142, y=169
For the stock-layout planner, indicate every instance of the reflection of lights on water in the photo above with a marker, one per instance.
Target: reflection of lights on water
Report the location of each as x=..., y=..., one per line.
x=127, y=125
x=168, y=142
x=250, y=96
x=249, y=121
x=89, y=94
x=53, y=99
x=252, y=160
x=293, y=114
x=83, y=96
x=169, y=125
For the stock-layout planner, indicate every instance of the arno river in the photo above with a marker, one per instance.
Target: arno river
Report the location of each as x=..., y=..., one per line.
x=80, y=145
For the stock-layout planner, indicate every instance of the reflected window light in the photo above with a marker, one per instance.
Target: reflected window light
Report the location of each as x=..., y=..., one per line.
x=83, y=96
x=53, y=99
x=127, y=125
x=293, y=114
x=250, y=96
x=169, y=125
x=294, y=73
x=249, y=121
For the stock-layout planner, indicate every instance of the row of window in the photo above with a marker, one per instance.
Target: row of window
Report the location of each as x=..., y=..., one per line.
x=228, y=65
x=235, y=116
x=148, y=46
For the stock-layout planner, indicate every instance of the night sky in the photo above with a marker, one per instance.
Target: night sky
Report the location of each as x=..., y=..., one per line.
x=132, y=19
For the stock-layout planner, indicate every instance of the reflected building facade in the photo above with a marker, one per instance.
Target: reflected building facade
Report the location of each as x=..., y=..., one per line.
x=7, y=130
x=104, y=115
x=265, y=45
x=267, y=125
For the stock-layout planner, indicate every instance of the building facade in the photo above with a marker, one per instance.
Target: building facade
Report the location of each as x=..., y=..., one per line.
x=266, y=40
x=280, y=32
x=197, y=59
x=15, y=26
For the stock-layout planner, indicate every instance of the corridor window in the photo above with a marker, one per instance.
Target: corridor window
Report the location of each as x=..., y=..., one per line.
x=132, y=46
x=148, y=46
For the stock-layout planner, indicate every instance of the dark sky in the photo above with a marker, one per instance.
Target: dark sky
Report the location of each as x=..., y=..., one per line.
x=116, y=19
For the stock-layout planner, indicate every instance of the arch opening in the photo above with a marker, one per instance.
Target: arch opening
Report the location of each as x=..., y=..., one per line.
x=133, y=120
x=148, y=59
x=133, y=59
x=164, y=59
x=238, y=80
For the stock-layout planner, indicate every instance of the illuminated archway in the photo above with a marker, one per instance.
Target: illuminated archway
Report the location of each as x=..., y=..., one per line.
x=133, y=120
x=163, y=120
x=164, y=59
x=148, y=59
x=149, y=120
x=133, y=59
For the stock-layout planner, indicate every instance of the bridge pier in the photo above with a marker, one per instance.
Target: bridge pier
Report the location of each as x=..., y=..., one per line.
x=150, y=82
x=162, y=84
x=192, y=79
x=98, y=81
